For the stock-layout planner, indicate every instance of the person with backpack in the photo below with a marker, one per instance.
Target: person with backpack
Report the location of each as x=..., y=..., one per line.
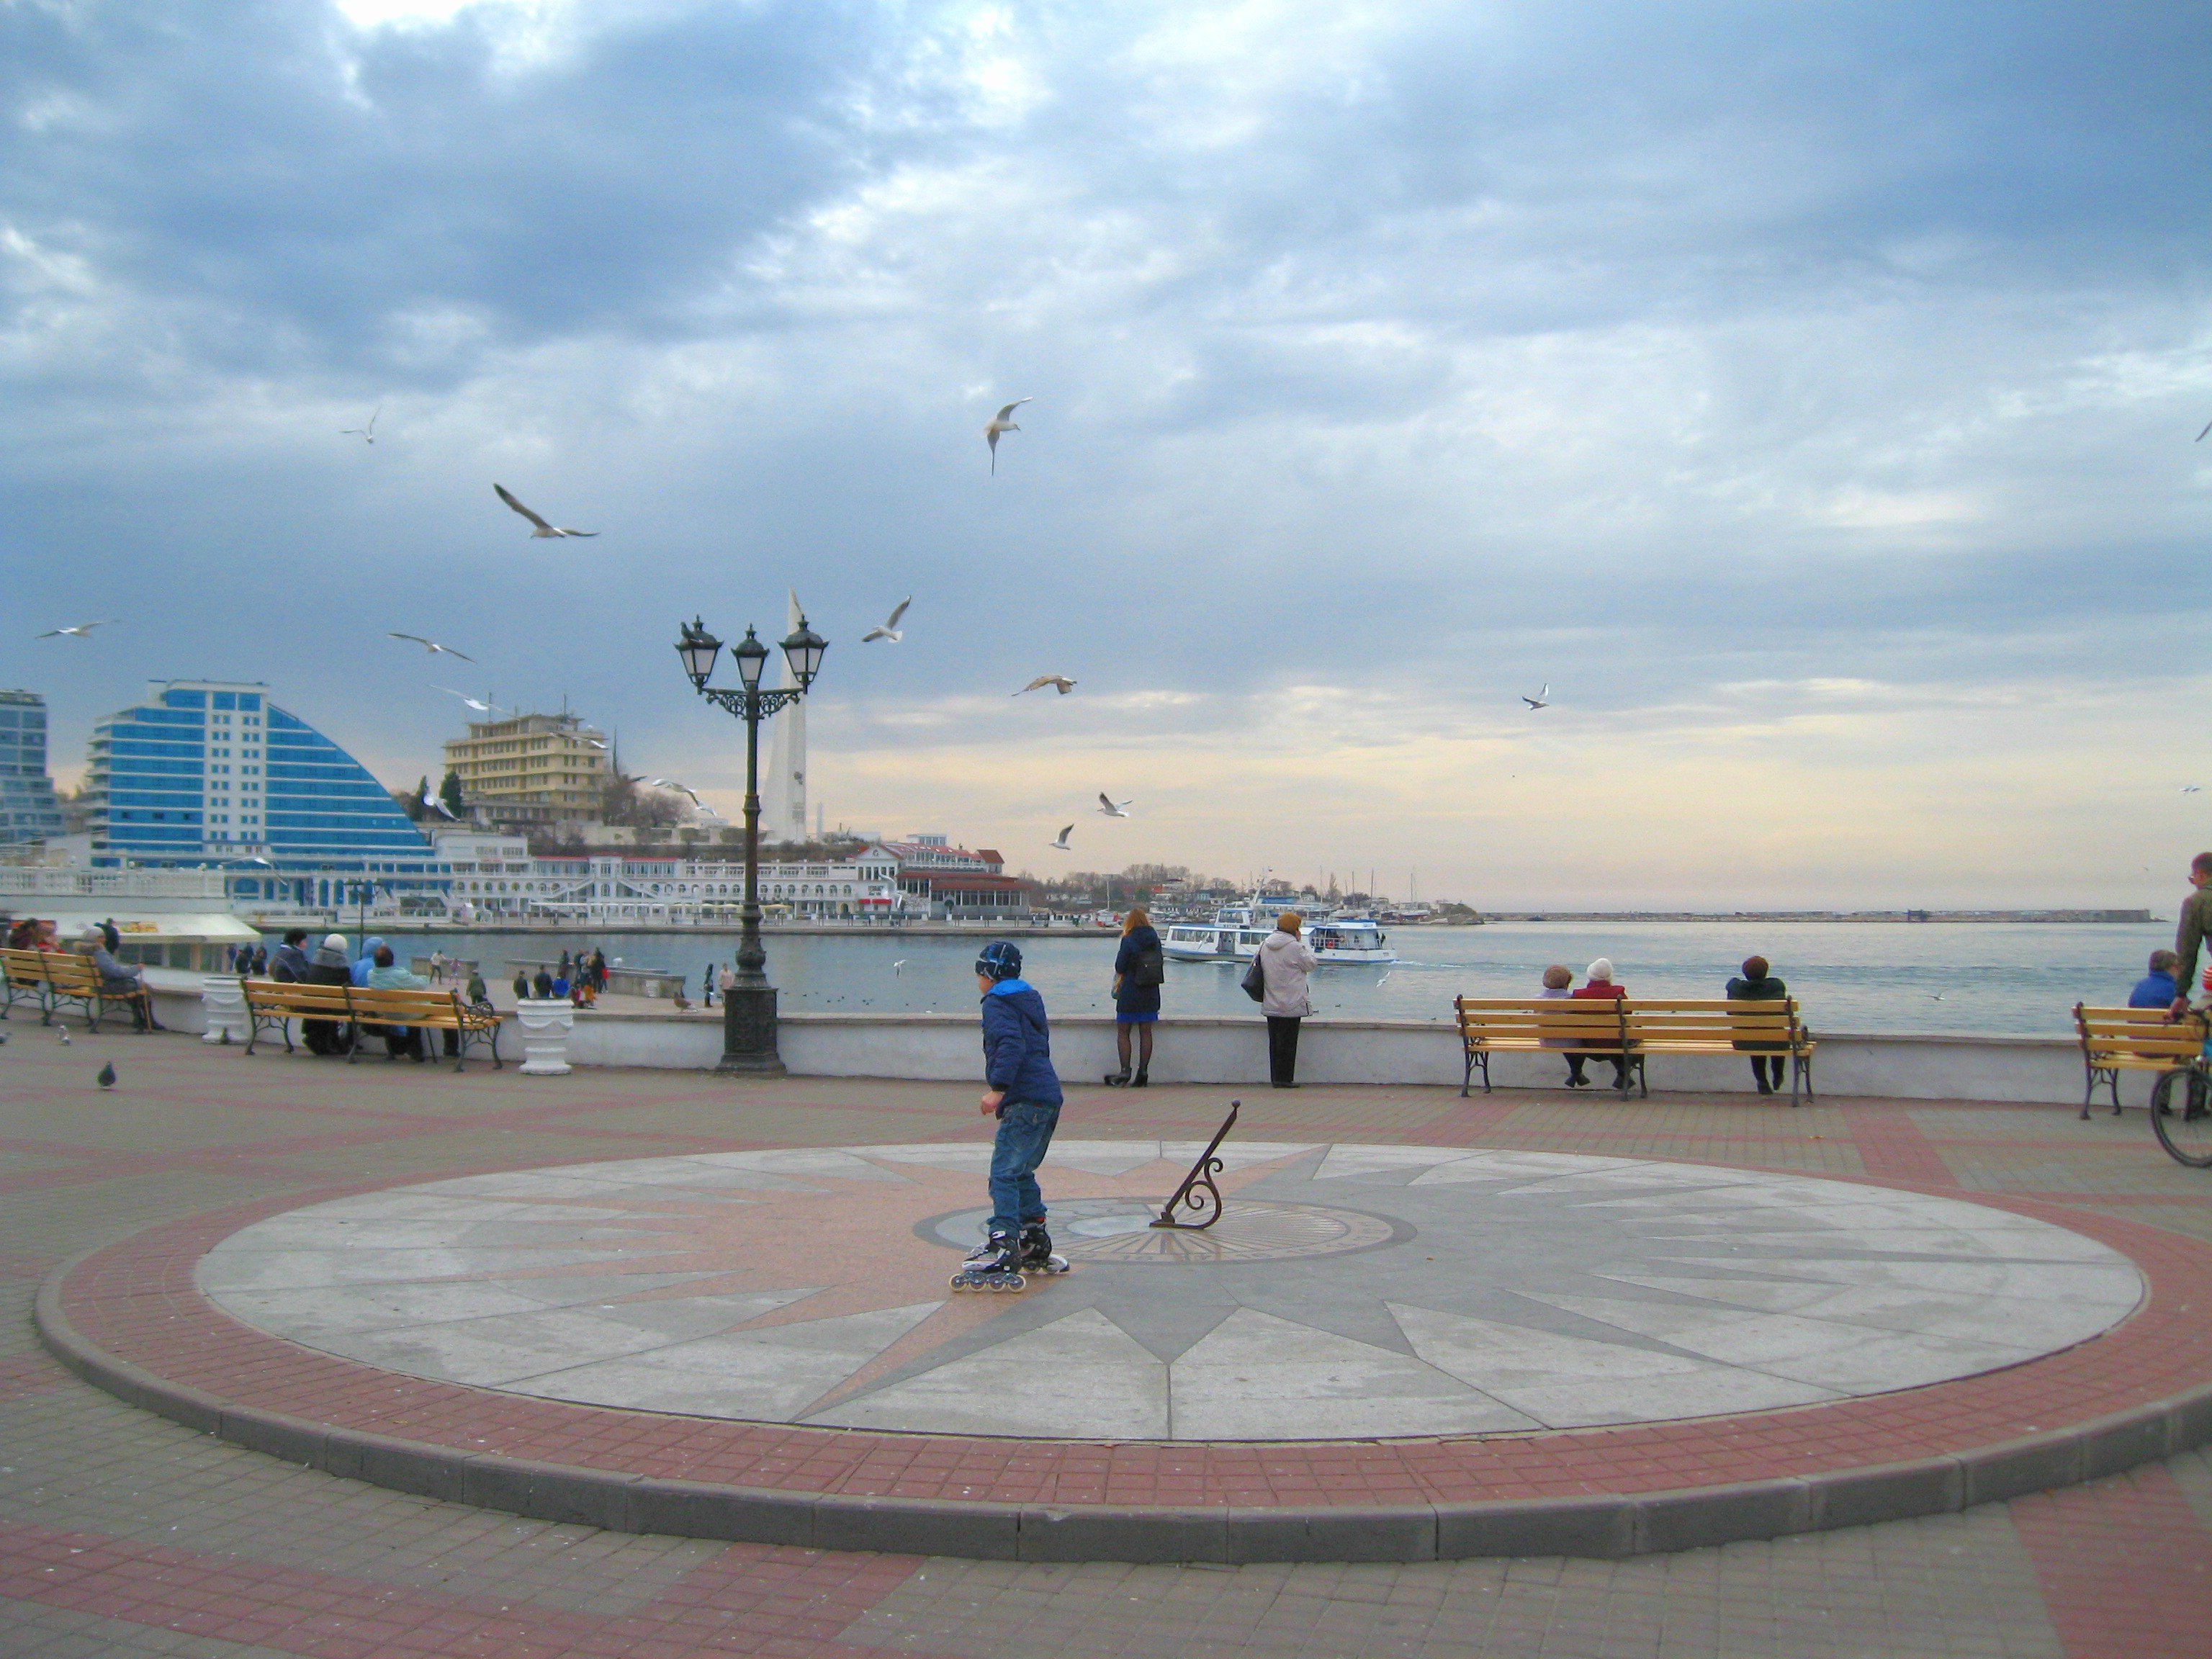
x=1139, y=969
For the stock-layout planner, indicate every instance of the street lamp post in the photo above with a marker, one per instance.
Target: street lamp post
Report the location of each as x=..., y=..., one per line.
x=749, y=1007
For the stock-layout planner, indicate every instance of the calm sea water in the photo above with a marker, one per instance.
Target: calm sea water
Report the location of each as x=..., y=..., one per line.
x=1988, y=979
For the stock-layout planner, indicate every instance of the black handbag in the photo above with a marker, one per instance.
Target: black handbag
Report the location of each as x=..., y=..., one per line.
x=1255, y=979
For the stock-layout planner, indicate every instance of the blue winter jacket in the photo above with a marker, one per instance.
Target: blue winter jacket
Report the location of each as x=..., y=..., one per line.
x=2153, y=991
x=1017, y=1046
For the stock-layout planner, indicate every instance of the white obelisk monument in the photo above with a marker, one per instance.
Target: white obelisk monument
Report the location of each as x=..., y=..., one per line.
x=783, y=798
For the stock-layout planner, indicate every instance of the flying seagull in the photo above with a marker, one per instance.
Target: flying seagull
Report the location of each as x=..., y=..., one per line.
x=1111, y=808
x=1001, y=421
x=1538, y=701
x=2207, y=427
x=82, y=630
x=431, y=803
x=1059, y=683
x=890, y=631
x=681, y=789
x=367, y=434
x=2192, y=788
x=595, y=742
x=1061, y=845
x=480, y=706
x=430, y=646
x=541, y=528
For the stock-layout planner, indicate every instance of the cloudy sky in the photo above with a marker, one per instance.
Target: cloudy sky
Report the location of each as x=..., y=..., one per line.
x=1807, y=394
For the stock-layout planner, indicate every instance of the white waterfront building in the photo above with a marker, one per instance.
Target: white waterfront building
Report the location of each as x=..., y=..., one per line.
x=495, y=876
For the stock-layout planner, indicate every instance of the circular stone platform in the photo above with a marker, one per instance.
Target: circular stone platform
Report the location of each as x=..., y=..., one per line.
x=1349, y=1292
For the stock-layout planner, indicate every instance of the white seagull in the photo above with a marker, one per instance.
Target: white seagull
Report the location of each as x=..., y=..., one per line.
x=432, y=803
x=899, y=967
x=1001, y=421
x=1111, y=808
x=1059, y=683
x=540, y=527
x=481, y=708
x=430, y=646
x=595, y=742
x=681, y=789
x=890, y=631
x=2191, y=789
x=82, y=630
x=367, y=434
x=1061, y=845
x=1538, y=701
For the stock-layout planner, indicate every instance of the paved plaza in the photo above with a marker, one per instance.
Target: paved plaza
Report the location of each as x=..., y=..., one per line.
x=777, y=1252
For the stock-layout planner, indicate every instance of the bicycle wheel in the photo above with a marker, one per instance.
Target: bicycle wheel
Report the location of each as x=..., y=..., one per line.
x=2183, y=1118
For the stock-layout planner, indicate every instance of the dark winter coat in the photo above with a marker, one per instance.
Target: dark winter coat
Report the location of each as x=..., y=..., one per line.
x=1769, y=989
x=1132, y=998
x=1017, y=1046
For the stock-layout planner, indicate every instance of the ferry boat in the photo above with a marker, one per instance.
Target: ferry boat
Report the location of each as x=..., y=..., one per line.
x=1236, y=935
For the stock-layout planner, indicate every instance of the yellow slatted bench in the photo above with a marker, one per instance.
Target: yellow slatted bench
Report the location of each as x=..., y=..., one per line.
x=273, y=1005
x=1533, y=1025
x=1676, y=1026
x=63, y=976
x=2117, y=1040
x=436, y=1010
x=23, y=974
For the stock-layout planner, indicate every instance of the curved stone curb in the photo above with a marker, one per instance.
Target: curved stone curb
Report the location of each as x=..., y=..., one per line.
x=1603, y=1526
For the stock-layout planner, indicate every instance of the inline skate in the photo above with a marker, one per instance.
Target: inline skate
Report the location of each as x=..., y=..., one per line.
x=994, y=1265
x=1036, y=1256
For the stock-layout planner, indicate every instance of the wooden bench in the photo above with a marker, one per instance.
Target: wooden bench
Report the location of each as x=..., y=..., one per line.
x=1533, y=1025
x=1631, y=1029
x=1772, y=1027
x=2117, y=1040
x=63, y=976
x=272, y=1003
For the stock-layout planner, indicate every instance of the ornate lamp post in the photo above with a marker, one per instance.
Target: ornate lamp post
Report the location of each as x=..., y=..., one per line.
x=749, y=1007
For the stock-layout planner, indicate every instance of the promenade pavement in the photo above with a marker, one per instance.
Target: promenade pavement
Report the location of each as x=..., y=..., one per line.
x=124, y=1534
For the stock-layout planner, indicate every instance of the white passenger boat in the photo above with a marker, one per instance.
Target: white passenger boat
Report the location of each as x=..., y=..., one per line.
x=1234, y=935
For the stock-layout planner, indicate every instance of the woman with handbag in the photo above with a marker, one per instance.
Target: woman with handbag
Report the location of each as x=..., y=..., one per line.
x=1139, y=969
x=1282, y=963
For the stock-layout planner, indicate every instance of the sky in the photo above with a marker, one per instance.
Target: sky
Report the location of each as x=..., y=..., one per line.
x=1806, y=395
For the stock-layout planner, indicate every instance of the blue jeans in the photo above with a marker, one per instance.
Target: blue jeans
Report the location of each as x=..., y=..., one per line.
x=1024, y=1136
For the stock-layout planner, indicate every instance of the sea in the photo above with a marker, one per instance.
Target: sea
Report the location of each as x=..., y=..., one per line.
x=1985, y=979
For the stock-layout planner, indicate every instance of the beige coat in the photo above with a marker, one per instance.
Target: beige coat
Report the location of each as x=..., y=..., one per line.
x=1285, y=962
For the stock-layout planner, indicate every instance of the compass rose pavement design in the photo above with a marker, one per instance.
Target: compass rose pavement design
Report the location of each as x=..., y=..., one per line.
x=1350, y=1292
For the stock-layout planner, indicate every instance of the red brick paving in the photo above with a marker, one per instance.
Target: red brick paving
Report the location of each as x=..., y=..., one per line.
x=2125, y=1566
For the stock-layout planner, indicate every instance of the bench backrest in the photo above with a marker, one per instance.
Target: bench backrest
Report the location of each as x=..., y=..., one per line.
x=1539, y=1019
x=67, y=971
x=24, y=967
x=403, y=1006
x=1658, y=1021
x=2140, y=1033
x=278, y=994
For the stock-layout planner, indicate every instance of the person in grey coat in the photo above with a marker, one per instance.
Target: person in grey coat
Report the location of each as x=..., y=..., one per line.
x=1285, y=963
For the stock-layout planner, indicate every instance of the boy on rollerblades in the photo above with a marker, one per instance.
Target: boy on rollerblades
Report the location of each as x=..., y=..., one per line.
x=1023, y=1092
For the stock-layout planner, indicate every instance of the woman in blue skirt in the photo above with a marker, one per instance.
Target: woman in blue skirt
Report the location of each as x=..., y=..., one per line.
x=1138, y=969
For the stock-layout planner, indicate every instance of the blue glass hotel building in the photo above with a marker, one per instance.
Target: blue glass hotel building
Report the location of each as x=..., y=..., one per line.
x=28, y=811
x=210, y=772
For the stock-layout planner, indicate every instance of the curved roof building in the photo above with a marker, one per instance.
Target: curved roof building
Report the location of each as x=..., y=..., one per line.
x=209, y=771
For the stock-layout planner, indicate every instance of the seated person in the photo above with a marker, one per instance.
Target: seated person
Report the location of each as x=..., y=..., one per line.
x=289, y=965
x=120, y=981
x=331, y=966
x=1557, y=978
x=1598, y=987
x=2156, y=989
x=385, y=974
x=1758, y=984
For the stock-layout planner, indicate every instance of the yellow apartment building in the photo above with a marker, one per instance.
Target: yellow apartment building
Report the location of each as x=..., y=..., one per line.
x=533, y=768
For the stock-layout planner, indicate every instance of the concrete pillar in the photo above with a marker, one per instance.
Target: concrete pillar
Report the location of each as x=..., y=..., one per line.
x=223, y=998
x=545, y=1028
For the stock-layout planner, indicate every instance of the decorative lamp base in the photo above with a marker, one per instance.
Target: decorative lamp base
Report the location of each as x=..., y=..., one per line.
x=749, y=1032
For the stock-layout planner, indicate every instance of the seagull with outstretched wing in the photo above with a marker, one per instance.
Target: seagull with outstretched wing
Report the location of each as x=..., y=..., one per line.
x=430, y=646
x=81, y=631
x=1112, y=808
x=1000, y=422
x=1538, y=701
x=890, y=631
x=1059, y=683
x=681, y=789
x=431, y=803
x=1061, y=845
x=540, y=528
x=365, y=434
x=481, y=706
x=2208, y=428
